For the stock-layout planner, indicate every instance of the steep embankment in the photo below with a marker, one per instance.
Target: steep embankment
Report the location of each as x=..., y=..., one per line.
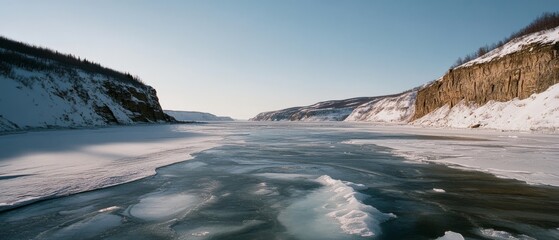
x=40, y=88
x=335, y=110
x=522, y=67
x=196, y=116
x=394, y=109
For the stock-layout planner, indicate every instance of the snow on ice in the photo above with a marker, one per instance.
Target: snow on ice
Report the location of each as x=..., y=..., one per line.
x=80, y=160
x=528, y=157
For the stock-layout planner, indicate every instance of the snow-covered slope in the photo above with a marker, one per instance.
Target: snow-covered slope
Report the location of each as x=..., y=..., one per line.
x=538, y=112
x=41, y=93
x=513, y=87
x=334, y=110
x=396, y=109
x=195, y=116
x=547, y=37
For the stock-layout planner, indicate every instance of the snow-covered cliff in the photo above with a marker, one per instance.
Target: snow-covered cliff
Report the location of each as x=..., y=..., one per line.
x=39, y=92
x=513, y=87
x=396, y=109
x=334, y=110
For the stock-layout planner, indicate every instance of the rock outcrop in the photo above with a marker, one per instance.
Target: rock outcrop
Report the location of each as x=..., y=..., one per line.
x=520, y=68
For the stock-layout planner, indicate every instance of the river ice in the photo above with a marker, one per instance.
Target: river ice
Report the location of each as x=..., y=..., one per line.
x=265, y=181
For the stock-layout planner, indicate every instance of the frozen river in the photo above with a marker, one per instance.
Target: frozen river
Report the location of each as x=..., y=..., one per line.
x=277, y=181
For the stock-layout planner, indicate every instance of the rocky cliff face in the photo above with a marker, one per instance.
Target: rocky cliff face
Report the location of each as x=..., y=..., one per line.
x=38, y=92
x=520, y=68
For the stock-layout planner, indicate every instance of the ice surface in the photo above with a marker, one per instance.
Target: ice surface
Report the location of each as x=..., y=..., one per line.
x=265, y=190
x=164, y=206
x=502, y=235
x=43, y=164
x=528, y=157
x=450, y=235
x=336, y=205
x=285, y=176
x=212, y=231
x=88, y=228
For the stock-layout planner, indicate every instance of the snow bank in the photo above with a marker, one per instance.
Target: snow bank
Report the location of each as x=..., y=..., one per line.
x=38, y=165
x=544, y=37
x=398, y=109
x=538, y=112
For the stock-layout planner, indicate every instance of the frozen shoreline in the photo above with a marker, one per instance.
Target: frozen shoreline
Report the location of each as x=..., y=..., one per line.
x=81, y=160
x=529, y=157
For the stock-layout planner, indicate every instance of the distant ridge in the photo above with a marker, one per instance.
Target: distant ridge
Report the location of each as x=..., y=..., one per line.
x=196, y=116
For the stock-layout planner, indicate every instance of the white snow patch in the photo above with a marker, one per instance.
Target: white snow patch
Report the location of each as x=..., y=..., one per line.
x=543, y=37
x=450, y=235
x=41, y=164
x=539, y=112
x=528, y=157
x=398, y=109
x=325, y=114
x=109, y=209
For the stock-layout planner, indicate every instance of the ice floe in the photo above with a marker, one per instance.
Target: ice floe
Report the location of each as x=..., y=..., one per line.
x=336, y=205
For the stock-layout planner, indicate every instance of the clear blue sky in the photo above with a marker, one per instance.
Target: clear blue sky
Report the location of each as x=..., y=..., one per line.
x=239, y=58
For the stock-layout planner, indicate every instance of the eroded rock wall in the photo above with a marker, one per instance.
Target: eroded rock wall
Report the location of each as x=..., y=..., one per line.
x=517, y=75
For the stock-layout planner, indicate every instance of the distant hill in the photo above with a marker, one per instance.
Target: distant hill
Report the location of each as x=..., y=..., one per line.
x=41, y=88
x=333, y=110
x=196, y=116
